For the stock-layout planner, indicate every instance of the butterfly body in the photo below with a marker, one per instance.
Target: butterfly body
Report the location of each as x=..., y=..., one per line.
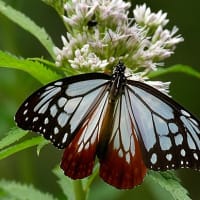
x=118, y=82
x=129, y=125
x=115, y=90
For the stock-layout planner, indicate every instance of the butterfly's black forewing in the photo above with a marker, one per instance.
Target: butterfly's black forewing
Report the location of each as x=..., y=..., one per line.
x=169, y=135
x=58, y=109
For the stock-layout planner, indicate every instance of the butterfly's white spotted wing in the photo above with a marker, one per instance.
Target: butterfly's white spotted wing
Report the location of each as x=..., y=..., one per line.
x=57, y=109
x=145, y=128
x=169, y=135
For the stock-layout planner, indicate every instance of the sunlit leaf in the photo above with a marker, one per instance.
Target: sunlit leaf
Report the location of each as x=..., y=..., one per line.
x=20, y=146
x=34, y=68
x=12, y=136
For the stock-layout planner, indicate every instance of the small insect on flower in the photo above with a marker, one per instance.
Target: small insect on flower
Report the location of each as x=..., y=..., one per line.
x=129, y=125
x=92, y=23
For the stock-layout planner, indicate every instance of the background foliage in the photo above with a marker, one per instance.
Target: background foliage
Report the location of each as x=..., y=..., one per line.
x=26, y=166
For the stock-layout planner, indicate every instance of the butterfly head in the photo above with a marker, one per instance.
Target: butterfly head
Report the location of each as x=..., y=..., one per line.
x=119, y=69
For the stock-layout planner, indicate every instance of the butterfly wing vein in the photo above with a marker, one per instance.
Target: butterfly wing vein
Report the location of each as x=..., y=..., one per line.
x=169, y=135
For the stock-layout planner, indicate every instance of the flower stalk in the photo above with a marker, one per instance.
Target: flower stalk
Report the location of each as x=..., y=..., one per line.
x=79, y=192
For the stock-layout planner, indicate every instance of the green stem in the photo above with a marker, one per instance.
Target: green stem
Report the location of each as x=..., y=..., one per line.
x=78, y=190
x=91, y=178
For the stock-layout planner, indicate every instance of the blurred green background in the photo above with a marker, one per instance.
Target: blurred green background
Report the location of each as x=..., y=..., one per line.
x=15, y=86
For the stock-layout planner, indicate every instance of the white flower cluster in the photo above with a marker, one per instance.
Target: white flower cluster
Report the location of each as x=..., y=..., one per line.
x=139, y=76
x=86, y=59
x=81, y=11
x=100, y=33
x=102, y=39
x=161, y=42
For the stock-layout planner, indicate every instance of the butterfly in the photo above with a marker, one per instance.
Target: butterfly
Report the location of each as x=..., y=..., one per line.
x=129, y=125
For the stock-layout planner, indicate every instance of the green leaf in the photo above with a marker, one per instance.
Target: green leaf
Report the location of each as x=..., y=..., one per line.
x=41, y=146
x=58, y=5
x=28, y=25
x=45, y=62
x=175, y=69
x=34, y=68
x=72, y=189
x=52, y=66
x=13, y=190
x=12, y=136
x=87, y=182
x=21, y=146
x=66, y=184
x=170, y=182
